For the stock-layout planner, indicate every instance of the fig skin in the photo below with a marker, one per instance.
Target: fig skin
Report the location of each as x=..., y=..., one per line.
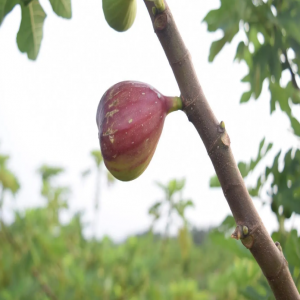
x=119, y=14
x=130, y=119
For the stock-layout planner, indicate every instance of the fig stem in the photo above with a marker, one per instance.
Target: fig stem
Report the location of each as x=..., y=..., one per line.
x=159, y=5
x=173, y=104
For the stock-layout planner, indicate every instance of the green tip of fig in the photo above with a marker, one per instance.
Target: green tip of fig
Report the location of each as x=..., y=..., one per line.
x=119, y=14
x=130, y=120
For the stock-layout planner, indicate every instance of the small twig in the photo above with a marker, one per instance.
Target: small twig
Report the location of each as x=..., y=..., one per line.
x=291, y=70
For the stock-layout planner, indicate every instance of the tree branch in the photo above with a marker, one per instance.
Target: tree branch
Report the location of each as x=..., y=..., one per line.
x=216, y=140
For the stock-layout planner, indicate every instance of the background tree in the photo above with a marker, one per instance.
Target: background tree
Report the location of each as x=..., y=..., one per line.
x=270, y=50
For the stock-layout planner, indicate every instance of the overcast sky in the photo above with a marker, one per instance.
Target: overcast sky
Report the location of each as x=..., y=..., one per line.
x=48, y=108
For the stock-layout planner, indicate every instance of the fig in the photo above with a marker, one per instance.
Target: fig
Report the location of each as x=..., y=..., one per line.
x=119, y=14
x=130, y=119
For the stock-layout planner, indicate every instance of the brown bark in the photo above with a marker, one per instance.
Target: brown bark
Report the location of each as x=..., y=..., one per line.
x=216, y=140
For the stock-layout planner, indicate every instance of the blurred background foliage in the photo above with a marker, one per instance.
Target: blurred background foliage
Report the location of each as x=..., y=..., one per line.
x=42, y=258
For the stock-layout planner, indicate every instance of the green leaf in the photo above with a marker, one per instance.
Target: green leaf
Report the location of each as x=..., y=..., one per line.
x=254, y=191
x=251, y=294
x=48, y=172
x=214, y=182
x=163, y=187
x=30, y=34
x=287, y=182
x=62, y=8
x=246, y=78
x=252, y=35
x=259, y=70
x=97, y=156
x=292, y=249
x=274, y=166
x=110, y=178
x=246, y=97
x=240, y=51
x=217, y=46
x=280, y=95
x=295, y=45
x=246, y=168
x=175, y=186
x=225, y=17
x=3, y=160
x=257, y=80
x=8, y=181
x=243, y=169
x=290, y=21
x=295, y=125
x=182, y=205
x=228, y=224
x=154, y=210
x=26, y=2
x=243, y=53
x=155, y=206
x=6, y=6
x=274, y=63
x=296, y=95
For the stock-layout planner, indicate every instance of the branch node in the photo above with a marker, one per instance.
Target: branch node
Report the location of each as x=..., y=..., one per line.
x=248, y=241
x=245, y=230
x=222, y=126
x=221, y=140
x=187, y=102
x=225, y=139
x=284, y=263
x=277, y=244
x=160, y=22
x=240, y=232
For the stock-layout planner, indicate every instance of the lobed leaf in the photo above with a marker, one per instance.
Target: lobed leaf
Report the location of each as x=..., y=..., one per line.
x=30, y=34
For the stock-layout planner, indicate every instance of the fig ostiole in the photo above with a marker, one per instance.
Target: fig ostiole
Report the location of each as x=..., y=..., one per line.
x=119, y=14
x=130, y=119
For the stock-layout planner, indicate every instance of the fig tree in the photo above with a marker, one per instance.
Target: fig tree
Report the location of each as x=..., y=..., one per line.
x=130, y=120
x=119, y=14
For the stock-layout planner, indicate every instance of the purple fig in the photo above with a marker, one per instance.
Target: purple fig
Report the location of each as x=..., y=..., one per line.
x=130, y=120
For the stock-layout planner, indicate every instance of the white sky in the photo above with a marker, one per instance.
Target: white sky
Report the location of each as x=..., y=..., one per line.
x=48, y=107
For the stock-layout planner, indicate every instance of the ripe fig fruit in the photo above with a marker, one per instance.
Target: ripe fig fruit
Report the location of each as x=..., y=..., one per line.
x=130, y=120
x=119, y=14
